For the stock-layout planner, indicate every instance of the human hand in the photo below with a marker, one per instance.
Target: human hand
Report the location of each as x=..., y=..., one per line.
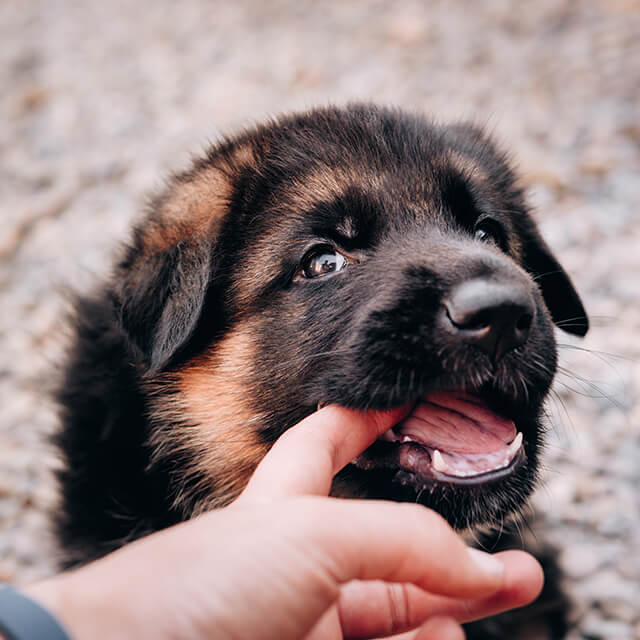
x=286, y=562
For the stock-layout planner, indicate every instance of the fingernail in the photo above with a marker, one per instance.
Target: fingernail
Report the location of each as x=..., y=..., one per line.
x=486, y=562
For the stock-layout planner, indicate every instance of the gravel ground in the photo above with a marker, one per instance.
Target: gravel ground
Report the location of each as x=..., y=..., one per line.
x=101, y=99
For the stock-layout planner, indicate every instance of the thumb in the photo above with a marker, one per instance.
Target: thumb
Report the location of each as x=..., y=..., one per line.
x=305, y=458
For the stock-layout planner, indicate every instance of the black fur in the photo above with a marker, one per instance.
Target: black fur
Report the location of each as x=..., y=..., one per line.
x=398, y=195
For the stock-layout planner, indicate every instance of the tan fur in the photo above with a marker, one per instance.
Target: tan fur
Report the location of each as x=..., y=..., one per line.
x=308, y=191
x=197, y=203
x=472, y=171
x=207, y=396
x=302, y=195
x=326, y=186
x=467, y=167
x=314, y=187
x=242, y=156
x=211, y=404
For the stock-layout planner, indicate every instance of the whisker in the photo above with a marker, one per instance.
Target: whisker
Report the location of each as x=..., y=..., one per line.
x=596, y=390
x=473, y=533
x=539, y=276
x=530, y=528
x=313, y=356
x=398, y=385
x=594, y=320
x=563, y=323
x=517, y=518
x=595, y=352
x=501, y=532
x=557, y=398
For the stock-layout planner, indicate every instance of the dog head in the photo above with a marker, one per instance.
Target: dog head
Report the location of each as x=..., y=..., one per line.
x=358, y=256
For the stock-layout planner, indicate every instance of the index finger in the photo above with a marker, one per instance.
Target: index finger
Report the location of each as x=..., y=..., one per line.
x=304, y=460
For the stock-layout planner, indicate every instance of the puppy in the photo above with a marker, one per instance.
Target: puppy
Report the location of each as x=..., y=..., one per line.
x=360, y=256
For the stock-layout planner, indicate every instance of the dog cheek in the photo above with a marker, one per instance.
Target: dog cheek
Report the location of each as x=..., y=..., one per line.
x=206, y=414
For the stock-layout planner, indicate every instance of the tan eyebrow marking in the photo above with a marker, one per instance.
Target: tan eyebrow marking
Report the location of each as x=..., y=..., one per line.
x=468, y=168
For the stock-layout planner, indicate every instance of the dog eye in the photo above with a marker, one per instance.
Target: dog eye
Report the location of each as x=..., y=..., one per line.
x=489, y=230
x=322, y=262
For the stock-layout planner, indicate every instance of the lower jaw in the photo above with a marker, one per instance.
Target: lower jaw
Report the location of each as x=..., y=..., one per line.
x=403, y=472
x=412, y=461
x=489, y=501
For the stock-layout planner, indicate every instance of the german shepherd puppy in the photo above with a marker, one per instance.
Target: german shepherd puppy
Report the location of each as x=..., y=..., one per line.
x=361, y=256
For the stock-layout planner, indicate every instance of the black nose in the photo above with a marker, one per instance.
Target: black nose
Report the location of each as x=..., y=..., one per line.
x=493, y=316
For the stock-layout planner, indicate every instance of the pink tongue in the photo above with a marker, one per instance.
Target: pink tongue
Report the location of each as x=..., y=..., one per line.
x=458, y=423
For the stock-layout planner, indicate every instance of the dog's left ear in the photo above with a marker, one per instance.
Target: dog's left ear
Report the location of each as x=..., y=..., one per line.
x=163, y=281
x=161, y=299
x=558, y=291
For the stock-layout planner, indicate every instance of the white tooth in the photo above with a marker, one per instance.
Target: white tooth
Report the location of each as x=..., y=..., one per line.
x=514, y=447
x=438, y=461
x=320, y=405
x=407, y=439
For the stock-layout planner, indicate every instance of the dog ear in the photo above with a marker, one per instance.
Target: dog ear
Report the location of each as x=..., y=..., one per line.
x=162, y=298
x=162, y=283
x=558, y=291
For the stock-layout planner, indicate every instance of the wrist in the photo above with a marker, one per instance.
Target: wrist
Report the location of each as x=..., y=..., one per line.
x=48, y=594
x=26, y=617
x=88, y=604
x=77, y=605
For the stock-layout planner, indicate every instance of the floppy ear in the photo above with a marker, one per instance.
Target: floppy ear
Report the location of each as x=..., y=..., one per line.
x=558, y=291
x=162, y=297
x=162, y=283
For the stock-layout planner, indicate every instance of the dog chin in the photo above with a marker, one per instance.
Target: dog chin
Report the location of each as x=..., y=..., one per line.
x=464, y=506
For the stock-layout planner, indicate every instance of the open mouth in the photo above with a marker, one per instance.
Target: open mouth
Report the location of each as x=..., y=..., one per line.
x=450, y=437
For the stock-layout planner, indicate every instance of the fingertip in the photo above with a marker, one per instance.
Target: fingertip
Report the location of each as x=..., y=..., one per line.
x=378, y=421
x=348, y=432
x=440, y=628
x=523, y=579
x=490, y=565
x=387, y=418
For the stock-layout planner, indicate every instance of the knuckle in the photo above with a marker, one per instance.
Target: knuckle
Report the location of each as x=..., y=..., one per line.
x=399, y=607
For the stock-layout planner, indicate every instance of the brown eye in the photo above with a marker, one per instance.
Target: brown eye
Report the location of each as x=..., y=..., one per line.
x=322, y=263
x=489, y=230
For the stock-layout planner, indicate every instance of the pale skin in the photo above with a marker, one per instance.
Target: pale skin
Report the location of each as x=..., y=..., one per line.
x=286, y=562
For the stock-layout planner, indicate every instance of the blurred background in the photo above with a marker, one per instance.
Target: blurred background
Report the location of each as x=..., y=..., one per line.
x=100, y=100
